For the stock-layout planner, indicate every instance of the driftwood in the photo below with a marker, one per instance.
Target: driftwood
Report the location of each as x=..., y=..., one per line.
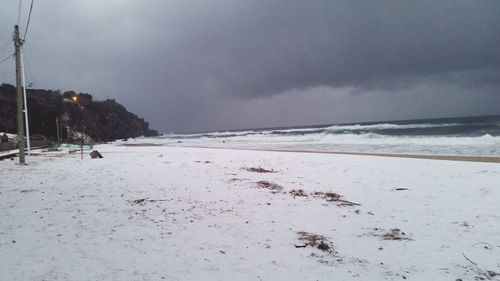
x=143, y=201
x=259, y=170
x=334, y=197
x=316, y=241
x=468, y=259
x=274, y=187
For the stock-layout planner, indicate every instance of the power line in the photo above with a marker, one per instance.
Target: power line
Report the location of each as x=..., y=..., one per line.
x=6, y=58
x=28, y=23
x=5, y=45
x=28, y=67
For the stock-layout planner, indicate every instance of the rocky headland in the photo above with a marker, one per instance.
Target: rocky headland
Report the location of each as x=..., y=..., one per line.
x=102, y=120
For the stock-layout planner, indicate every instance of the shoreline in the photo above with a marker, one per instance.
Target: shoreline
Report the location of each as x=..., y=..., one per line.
x=482, y=159
x=464, y=158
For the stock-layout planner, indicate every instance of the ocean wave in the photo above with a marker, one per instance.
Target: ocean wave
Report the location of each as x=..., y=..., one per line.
x=210, y=135
x=325, y=137
x=372, y=138
x=486, y=144
x=366, y=139
x=458, y=136
x=386, y=126
x=334, y=129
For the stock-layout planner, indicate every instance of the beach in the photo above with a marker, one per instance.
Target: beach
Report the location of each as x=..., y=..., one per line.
x=249, y=140
x=152, y=212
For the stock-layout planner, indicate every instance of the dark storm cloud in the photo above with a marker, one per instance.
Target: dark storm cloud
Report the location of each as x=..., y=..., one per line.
x=258, y=50
x=190, y=65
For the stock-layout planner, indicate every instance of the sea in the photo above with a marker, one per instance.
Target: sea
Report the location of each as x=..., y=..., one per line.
x=471, y=136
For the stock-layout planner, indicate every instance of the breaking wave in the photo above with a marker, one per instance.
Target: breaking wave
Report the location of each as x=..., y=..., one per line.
x=453, y=136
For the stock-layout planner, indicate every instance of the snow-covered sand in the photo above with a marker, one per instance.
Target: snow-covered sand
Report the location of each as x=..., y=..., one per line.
x=206, y=218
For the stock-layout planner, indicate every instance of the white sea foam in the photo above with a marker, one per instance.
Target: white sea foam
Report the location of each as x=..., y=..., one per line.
x=326, y=129
x=355, y=138
x=371, y=138
x=485, y=145
x=383, y=126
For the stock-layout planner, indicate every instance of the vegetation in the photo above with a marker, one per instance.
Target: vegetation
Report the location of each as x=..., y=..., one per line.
x=102, y=120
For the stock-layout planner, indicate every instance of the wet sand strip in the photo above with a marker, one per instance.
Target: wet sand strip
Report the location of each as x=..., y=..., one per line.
x=484, y=159
x=140, y=144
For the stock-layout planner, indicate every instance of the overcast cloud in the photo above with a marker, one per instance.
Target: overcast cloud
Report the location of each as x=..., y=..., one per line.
x=212, y=65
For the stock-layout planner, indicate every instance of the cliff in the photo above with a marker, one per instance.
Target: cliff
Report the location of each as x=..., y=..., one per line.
x=102, y=120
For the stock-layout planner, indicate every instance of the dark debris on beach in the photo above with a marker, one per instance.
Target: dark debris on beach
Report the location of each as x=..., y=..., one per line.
x=259, y=170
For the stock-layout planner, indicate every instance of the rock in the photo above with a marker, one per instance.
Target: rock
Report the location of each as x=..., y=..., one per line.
x=95, y=154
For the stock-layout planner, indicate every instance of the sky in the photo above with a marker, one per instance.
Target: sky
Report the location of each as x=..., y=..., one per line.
x=200, y=65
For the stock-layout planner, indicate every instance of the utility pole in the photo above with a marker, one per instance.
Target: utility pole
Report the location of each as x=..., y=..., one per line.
x=23, y=80
x=18, y=43
x=57, y=127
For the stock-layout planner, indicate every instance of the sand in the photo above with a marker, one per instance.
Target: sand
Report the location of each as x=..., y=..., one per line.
x=484, y=159
x=172, y=213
